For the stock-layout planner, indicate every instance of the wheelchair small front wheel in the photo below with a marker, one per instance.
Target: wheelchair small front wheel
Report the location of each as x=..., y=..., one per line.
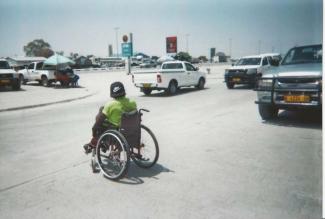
x=146, y=154
x=112, y=153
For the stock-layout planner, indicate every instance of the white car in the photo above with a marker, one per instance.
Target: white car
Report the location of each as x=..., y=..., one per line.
x=35, y=72
x=171, y=76
x=247, y=69
x=8, y=77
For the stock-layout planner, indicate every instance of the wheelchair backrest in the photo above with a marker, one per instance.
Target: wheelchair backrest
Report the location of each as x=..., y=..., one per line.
x=130, y=127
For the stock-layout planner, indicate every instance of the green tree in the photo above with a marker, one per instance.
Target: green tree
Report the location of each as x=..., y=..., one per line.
x=183, y=56
x=38, y=47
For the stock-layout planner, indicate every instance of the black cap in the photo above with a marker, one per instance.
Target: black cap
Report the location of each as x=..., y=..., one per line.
x=117, y=89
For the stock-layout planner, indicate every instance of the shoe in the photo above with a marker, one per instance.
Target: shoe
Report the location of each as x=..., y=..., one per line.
x=88, y=148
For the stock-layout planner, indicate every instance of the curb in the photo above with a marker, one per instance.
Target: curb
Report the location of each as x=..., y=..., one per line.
x=46, y=104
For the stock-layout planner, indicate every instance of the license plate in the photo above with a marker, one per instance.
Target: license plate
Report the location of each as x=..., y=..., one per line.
x=4, y=81
x=236, y=79
x=146, y=85
x=297, y=99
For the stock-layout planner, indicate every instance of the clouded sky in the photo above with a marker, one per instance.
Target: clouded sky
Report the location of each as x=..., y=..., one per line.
x=87, y=27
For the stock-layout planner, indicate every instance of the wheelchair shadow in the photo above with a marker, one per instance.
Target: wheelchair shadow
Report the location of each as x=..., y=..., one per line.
x=135, y=174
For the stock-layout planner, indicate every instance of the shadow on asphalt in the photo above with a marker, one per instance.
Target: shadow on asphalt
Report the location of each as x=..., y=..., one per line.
x=242, y=87
x=181, y=91
x=299, y=119
x=55, y=86
x=9, y=89
x=135, y=174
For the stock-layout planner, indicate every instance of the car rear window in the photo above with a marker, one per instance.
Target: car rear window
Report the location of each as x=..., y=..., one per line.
x=172, y=66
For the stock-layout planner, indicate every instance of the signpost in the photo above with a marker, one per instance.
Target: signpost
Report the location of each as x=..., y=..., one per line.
x=127, y=51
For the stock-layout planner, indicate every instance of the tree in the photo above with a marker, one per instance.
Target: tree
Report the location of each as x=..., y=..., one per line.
x=38, y=47
x=203, y=58
x=183, y=56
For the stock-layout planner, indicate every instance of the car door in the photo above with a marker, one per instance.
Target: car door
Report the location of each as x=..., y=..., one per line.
x=265, y=65
x=38, y=70
x=30, y=71
x=192, y=78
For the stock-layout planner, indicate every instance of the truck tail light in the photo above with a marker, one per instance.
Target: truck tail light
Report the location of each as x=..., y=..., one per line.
x=159, y=79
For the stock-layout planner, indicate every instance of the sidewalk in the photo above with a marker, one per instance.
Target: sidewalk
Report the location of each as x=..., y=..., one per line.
x=34, y=95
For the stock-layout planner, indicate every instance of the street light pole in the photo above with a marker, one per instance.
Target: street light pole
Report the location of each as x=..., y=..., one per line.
x=116, y=33
x=230, y=42
x=187, y=35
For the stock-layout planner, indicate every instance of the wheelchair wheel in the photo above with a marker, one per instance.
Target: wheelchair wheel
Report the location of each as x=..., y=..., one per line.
x=112, y=153
x=147, y=153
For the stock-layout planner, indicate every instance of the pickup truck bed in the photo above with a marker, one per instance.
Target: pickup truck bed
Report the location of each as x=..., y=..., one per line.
x=181, y=74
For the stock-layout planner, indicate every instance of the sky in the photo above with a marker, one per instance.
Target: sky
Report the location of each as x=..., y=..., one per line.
x=235, y=27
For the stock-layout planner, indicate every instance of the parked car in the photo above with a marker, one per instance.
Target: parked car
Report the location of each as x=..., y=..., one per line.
x=35, y=72
x=248, y=69
x=296, y=83
x=148, y=64
x=171, y=76
x=8, y=76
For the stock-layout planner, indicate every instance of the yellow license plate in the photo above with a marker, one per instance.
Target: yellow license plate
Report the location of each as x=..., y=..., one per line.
x=236, y=79
x=4, y=81
x=297, y=99
x=146, y=85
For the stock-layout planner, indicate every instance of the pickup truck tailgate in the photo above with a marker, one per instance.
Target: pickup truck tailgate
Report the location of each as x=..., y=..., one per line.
x=142, y=77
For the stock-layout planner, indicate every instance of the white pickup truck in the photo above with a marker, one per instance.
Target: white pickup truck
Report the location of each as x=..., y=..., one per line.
x=171, y=76
x=35, y=72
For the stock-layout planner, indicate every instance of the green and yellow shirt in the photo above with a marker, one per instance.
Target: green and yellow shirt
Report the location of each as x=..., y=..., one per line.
x=114, y=110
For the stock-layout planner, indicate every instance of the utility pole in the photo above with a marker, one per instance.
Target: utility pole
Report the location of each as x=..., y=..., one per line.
x=187, y=35
x=116, y=34
x=259, y=46
x=230, y=42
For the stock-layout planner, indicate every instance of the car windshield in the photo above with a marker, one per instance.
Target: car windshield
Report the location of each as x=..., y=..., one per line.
x=249, y=61
x=4, y=65
x=300, y=55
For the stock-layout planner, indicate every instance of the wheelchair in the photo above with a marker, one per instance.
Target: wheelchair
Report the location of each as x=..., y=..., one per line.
x=116, y=148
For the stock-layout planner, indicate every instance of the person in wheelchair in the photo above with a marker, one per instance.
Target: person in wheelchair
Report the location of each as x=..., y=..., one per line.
x=109, y=116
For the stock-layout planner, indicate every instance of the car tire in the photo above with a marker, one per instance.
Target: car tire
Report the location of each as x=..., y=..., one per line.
x=172, y=88
x=22, y=79
x=16, y=85
x=200, y=84
x=268, y=112
x=147, y=91
x=44, y=81
x=230, y=85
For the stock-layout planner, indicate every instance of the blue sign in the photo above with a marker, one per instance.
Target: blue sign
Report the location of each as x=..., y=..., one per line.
x=127, y=49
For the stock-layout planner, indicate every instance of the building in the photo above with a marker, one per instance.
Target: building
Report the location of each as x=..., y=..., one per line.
x=220, y=57
x=82, y=62
x=23, y=61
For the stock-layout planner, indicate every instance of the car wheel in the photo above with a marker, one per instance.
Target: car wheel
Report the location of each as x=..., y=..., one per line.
x=16, y=85
x=44, y=81
x=268, y=112
x=230, y=85
x=201, y=84
x=22, y=79
x=172, y=88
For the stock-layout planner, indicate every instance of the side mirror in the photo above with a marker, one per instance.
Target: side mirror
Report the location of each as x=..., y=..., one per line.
x=197, y=68
x=232, y=64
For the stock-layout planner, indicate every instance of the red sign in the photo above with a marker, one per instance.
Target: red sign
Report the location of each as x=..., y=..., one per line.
x=171, y=44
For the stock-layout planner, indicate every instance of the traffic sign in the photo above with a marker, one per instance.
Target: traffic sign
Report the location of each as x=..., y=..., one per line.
x=127, y=49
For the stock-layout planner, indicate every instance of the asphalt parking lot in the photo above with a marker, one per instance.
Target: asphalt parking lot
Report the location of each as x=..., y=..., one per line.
x=218, y=159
